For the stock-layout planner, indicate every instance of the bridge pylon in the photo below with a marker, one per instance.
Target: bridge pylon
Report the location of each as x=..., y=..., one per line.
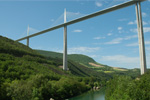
x=65, y=67
x=28, y=35
x=140, y=38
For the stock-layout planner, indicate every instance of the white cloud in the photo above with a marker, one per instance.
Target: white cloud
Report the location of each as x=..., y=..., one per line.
x=120, y=28
x=115, y=41
x=132, y=44
x=98, y=4
x=132, y=22
x=73, y=15
x=130, y=37
x=77, y=31
x=109, y=34
x=147, y=42
x=124, y=19
x=119, y=40
x=144, y=14
x=122, y=61
x=145, y=23
x=82, y=50
x=93, y=56
x=98, y=38
x=137, y=44
x=134, y=30
x=146, y=29
x=135, y=22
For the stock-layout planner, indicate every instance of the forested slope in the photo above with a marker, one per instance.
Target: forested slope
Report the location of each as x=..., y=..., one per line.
x=126, y=88
x=82, y=61
x=26, y=75
x=79, y=58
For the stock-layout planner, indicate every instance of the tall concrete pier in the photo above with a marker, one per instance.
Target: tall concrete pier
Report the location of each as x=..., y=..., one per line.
x=65, y=67
x=141, y=38
x=28, y=35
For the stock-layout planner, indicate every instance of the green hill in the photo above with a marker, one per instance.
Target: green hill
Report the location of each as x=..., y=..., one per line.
x=50, y=54
x=14, y=48
x=83, y=59
x=77, y=63
x=126, y=88
x=92, y=64
x=27, y=75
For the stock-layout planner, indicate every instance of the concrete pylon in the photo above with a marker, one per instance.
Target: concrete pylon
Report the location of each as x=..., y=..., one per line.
x=141, y=38
x=28, y=35
x=65, y=67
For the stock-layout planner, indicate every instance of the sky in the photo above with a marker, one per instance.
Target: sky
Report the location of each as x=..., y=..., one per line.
x=110, y=39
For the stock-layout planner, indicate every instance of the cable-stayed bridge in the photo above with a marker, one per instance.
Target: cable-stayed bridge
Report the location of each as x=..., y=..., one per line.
x=137, y=4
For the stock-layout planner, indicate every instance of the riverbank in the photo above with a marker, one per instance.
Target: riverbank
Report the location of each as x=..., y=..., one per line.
x=91, y=95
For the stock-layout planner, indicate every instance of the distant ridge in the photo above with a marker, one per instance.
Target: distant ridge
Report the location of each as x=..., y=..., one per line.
x=80, y=58
x=50, y=53
x=89, y=62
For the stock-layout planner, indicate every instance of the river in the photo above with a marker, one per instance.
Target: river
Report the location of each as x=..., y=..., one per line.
x=91, y=95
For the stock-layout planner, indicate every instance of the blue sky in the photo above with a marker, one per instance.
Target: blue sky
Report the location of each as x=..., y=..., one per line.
x=110, y=39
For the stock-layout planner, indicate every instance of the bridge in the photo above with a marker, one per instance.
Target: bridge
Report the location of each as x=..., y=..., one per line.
x=137, y=4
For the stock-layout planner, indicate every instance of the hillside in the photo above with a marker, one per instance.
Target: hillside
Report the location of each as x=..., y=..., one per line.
x=77, y=63
x=126, y=88
x=50, y=54
x=79, y=58
x=14, y=48
x=92, y=64
x=27, y=75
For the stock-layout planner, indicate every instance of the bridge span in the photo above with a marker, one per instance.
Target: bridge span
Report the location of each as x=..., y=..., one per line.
x=137, y=4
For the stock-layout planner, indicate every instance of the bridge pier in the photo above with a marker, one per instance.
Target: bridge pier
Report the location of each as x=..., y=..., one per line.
x=28, y=42
x=28, y=35
x=140, y=38
x=123, y=5
x=65, y=67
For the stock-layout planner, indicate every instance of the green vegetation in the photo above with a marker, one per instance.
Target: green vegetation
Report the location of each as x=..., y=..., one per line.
x=85, y=61
x=79, y=58
x=78, y=64
x=126, y=88
x=26, y=75
x=50, y=54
